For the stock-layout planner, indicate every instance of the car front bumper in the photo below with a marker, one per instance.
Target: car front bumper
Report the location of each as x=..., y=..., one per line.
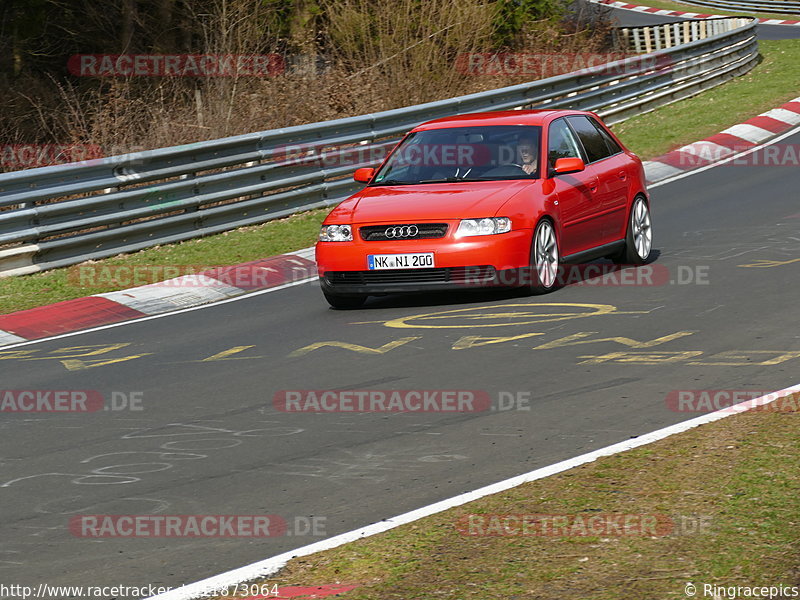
x=459, y=264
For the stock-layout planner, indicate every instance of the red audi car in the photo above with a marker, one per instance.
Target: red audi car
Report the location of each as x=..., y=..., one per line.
x=487, y=199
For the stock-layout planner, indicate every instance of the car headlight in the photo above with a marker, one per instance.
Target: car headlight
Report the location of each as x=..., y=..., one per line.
x=487, y=226
x=336, y=233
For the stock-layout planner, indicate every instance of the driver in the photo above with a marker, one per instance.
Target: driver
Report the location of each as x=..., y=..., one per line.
x=526, y=155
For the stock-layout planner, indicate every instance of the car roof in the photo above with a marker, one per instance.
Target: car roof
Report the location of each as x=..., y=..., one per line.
x=501, y=117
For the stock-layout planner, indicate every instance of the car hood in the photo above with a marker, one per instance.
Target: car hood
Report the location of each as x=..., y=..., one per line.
x=434, y=201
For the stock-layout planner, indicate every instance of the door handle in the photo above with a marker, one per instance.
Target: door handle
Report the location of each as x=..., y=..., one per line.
x=623, y=175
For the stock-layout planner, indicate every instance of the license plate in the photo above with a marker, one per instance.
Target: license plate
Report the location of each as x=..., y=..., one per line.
x=418, y=260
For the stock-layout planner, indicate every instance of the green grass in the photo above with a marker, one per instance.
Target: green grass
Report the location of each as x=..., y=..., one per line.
x=708, y=10
x=774, y=81
x=730, y=483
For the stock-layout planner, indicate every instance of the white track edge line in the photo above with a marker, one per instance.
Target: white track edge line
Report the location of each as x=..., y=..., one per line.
x=271, y=565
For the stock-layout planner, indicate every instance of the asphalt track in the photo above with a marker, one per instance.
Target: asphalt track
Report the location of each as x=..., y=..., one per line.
x=208, y=439
x=630, y=18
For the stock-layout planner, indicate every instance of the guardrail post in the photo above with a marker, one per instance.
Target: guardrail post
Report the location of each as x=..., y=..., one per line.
x=625, y=42
x=637, y=43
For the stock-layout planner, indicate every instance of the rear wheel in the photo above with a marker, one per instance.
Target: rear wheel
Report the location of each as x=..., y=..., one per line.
x=343, y=302
x=639, y=237
x=544, y=259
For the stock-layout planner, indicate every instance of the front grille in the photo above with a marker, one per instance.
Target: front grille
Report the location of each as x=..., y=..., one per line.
x=458, y=275
x=425, y=231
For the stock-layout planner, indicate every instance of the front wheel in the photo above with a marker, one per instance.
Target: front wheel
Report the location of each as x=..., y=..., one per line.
x=344, y=302
x=639, y=237
x=544, y=259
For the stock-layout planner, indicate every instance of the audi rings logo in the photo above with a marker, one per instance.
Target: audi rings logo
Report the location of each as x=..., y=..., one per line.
x=402, y=231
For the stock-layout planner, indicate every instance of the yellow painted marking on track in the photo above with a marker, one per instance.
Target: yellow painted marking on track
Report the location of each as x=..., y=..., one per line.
x=642, y=358
x=81, y=351
x=482, y=315
x=354, y=347
x=578, y=338
x=72, y=356
x=473, y=341
x=227, y=354
x=763, y=263
x=736, y=358
x=75, y=364
x=18, y=354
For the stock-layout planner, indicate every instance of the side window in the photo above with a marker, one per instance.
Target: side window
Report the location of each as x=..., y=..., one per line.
x=613, y=146
x=593, y=142
x=561, y=142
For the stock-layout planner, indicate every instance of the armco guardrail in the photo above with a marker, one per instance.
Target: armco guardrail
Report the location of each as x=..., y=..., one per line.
x=61, y=215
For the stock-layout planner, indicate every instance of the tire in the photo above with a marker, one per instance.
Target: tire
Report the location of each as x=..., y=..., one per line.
x=545, y=259
x=639, y=235
x=344, y=302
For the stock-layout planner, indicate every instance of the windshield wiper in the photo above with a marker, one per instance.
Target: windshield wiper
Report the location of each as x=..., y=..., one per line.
x=442, y=180
x=392, y=182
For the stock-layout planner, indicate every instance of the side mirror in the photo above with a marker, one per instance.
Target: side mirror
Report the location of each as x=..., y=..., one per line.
x=364, y=175
x=568, y=165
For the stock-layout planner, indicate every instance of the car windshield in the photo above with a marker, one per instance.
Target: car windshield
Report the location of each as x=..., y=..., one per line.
x=456, y=154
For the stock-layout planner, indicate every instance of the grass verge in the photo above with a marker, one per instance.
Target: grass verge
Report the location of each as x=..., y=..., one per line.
x=708, y=10
x=774, y=81
x=729, y=487
x=771, y=83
